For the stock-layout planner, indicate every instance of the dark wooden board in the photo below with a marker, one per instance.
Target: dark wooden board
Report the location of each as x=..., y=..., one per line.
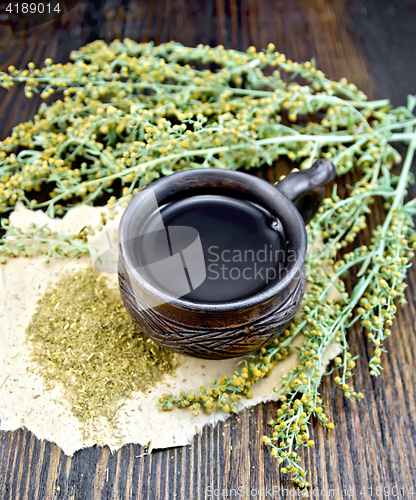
x=374, y=443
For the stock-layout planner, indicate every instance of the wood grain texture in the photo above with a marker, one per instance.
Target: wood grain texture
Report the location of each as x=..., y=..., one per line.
x=374, y=443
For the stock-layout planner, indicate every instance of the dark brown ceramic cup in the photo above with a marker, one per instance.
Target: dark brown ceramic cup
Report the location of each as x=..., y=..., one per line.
x=238, y=327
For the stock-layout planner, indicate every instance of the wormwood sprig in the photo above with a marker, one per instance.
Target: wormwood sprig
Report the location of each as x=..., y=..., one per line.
x=40, y=240
x=226, y=392
x=133, y=112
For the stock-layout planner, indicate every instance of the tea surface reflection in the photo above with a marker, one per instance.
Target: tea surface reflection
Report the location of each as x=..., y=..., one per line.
x=243, y=247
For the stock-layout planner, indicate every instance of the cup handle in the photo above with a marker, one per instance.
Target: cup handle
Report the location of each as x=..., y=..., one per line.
x=306, y=188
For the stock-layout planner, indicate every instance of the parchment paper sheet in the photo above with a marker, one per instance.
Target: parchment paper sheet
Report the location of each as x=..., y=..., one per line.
x=24, y=401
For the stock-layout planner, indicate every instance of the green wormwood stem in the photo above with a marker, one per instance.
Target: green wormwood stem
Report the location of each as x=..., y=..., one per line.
x=142, y=167
x=131, y=113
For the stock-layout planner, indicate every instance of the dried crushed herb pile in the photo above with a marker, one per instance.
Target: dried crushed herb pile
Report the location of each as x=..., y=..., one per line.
x=82, y=336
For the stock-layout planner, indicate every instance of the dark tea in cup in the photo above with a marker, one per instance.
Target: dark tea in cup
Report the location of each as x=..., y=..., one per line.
x=244, y=247
x=212, y=261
